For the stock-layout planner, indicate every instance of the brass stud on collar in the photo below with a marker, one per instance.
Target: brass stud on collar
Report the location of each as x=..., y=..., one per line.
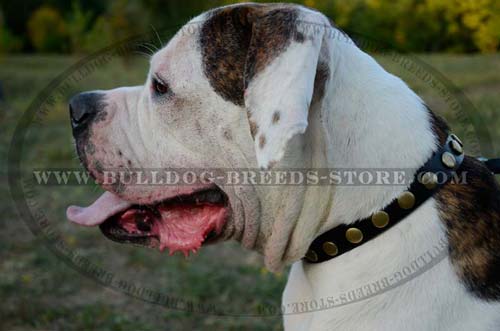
x=448, y=160
x=455, y=138
x=354, y=235
x=380, y=219
x=429, y=180
x=456, y=147
x=406, y=200
x=330, y=248
x=311, y=255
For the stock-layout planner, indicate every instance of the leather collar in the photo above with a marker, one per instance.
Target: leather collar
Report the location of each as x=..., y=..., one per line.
x=435, y=173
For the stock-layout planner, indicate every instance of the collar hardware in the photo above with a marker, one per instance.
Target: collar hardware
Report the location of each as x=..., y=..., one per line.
x=434, y=174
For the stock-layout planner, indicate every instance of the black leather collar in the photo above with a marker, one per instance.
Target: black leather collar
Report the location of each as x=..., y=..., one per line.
x=436, y=172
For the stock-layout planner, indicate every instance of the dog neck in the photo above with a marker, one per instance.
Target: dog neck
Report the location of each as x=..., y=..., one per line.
x=376, y=122
x=370, y=119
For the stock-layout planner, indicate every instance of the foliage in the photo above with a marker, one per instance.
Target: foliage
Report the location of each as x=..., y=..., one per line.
x=99, y=36
x=126, y=18
x=9, y=43
x=78, y=24
x=428, y=25
x=484, y=23
x=407, y=25
x=47, y=30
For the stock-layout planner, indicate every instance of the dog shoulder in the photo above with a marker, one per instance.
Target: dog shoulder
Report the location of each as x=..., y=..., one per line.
x=470, y=211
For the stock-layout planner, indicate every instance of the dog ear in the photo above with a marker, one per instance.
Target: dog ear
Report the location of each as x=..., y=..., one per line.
x=281, y=65
x=265, y=57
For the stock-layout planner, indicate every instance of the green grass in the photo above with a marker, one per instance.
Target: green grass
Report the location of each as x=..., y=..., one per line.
x=40, y=292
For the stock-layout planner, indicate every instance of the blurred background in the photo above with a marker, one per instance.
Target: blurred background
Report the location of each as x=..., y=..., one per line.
x=62, y=26
x=455, y=41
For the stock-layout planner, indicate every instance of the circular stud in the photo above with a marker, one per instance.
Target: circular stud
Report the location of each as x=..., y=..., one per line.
x=380, y=219
x=429, y=180
x=456, y=147
x=448, y=160
x=354, y=235
x=455, y=138
x=330, y=248
x=406, y=200
x=311, y=255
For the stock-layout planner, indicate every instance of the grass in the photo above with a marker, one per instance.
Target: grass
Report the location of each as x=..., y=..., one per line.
x=40, y=292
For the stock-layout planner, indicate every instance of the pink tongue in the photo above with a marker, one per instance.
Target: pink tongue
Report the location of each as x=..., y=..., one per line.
x=180, y=228
x=105, y=206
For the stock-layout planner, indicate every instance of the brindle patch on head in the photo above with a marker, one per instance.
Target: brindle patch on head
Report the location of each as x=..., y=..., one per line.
x=224, y=40
x=272, y=33
x=471, y=214
x=240, y=41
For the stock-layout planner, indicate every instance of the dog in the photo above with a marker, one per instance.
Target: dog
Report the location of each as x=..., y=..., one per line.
x=277, y=86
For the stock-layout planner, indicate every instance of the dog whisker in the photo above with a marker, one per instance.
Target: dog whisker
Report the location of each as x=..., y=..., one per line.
x=157, y=35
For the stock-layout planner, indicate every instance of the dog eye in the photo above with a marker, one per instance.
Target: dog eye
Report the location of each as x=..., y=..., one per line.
x=159, y=87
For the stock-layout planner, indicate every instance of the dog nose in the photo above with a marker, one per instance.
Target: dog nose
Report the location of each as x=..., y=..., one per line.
x=83, y=107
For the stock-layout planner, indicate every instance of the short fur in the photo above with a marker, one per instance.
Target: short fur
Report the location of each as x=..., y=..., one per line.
x=250, y=89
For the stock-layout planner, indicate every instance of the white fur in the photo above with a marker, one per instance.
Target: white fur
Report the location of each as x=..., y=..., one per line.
x=375, y=121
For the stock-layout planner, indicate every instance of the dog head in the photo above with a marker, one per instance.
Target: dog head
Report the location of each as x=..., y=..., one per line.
x=234, y=94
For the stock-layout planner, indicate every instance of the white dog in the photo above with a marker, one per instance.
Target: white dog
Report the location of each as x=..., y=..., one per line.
x=276, y=86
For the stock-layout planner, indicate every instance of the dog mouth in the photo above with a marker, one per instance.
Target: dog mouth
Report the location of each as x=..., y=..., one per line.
x=180, y=223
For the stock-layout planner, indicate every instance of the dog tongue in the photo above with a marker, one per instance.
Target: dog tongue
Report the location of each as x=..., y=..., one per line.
x=105, y=206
